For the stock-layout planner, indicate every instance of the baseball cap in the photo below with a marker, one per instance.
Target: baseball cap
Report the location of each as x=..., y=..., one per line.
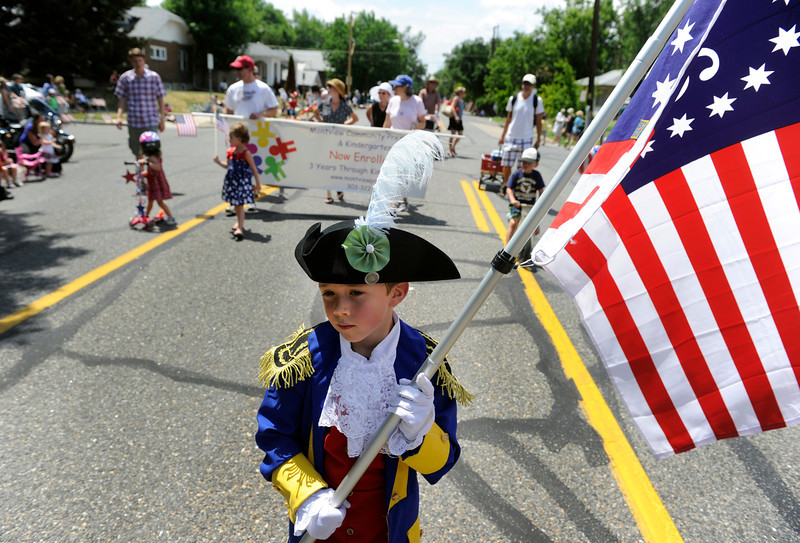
x=529, y=78
x=530, y=155
x=243, y=61
x=402, y=80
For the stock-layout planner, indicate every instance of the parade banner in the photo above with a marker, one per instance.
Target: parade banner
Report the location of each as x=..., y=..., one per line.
x=311, y=155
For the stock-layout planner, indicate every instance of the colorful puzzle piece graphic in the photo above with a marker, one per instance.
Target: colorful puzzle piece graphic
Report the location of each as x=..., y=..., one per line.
x=282, y=148
x=263, y=133
x=274, y=167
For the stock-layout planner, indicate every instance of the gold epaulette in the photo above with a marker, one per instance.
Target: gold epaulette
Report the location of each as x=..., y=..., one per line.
x=287, y=363
x=445, y=377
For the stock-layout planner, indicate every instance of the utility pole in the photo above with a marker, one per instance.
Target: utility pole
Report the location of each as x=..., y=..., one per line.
x=593, y=61
x=351, y=46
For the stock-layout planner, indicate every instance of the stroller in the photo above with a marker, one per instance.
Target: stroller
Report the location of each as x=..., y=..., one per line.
x=31, y=163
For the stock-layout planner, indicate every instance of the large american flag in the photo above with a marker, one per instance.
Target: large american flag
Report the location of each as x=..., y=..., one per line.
x=186, y=125
x=681, y=241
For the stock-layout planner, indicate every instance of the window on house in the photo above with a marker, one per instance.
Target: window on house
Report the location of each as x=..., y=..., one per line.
x=184, y=60
x=158, y=53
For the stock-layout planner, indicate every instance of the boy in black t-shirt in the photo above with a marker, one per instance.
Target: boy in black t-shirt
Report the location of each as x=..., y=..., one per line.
x=522, y=188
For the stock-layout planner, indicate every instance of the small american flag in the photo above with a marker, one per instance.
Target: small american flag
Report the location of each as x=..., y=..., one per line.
x=186, y=126
x=681, y=241
x=222, y=125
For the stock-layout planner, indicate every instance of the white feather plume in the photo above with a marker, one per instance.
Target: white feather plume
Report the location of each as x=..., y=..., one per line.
x=408, y=165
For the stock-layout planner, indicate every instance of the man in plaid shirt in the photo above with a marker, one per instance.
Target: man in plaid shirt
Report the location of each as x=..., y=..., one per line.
x=141, y=93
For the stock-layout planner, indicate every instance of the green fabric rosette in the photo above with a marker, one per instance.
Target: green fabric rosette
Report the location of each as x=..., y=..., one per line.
x=367, y=249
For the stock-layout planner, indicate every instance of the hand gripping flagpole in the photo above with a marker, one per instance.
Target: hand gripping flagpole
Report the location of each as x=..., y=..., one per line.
x=503, y=262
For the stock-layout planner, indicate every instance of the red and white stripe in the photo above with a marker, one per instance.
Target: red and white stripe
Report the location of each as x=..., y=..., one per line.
x=690, y=286
x=186, y=125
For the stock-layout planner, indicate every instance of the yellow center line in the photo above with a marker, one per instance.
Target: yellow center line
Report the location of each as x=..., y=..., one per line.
x=72, y=287
x=477, y=214
x=651, y=516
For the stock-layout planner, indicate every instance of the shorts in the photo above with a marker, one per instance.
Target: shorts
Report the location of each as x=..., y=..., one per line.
x=512, y=150
x=133, y=137
x=513, y=212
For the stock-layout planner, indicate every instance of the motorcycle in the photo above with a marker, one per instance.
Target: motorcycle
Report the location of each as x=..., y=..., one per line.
x=10, y=132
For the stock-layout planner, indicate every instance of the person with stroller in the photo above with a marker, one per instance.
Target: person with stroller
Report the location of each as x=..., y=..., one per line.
x=157, y=186
x=525, y=113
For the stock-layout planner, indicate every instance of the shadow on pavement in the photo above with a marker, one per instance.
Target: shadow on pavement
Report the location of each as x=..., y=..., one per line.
x=27, y=255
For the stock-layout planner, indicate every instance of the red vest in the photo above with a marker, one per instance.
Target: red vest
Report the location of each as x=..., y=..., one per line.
x=365, y=520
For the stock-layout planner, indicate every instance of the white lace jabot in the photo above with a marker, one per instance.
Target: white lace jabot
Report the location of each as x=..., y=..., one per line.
x=358, y=397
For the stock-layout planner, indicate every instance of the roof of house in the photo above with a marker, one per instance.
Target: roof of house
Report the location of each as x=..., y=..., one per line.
x=311, y=59
x=259, y=51
x=608, y=79
x=159, y=24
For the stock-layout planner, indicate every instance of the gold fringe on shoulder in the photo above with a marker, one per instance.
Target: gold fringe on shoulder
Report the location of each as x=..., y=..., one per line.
x=445, y=377
x=287, y=363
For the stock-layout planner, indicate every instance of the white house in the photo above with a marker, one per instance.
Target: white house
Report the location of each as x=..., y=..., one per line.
x=269, y=62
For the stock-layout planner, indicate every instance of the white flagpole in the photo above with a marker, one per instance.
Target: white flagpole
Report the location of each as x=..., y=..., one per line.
x=215, y=128
x=503, y=262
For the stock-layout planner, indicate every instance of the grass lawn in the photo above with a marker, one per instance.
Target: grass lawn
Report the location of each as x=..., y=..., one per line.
x=188, y=101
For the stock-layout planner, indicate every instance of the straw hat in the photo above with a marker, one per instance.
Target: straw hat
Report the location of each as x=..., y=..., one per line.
x=337, y=84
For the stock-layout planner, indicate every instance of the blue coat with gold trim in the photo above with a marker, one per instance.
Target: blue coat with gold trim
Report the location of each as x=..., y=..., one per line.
x=298, y=374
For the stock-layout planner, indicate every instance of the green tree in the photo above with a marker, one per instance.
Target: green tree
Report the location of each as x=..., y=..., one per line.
x=380, y=52
x=562, y=91
x=272, y=27
x=309, y=32
x=567, y=33
x=220, y=27
x=640, y=18
x=514, y=57
x=466, y=65
x=75, y=38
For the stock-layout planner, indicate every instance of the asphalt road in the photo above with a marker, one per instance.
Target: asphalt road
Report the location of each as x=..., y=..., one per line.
x=128, y=407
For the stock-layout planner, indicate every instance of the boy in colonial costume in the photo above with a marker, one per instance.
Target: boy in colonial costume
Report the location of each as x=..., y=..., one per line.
x=330, y=387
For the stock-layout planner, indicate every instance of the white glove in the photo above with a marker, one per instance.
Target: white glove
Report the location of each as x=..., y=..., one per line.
x=414, y=406
x=317, y=516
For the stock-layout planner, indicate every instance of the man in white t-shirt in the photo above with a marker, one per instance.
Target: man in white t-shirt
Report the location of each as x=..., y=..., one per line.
x=249, y=97
x=525, y=111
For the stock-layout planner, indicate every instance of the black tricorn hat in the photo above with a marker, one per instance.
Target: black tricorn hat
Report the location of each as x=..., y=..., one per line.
x=411, y=258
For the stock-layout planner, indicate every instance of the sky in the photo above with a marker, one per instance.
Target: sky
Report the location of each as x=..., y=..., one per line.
x=444, y=24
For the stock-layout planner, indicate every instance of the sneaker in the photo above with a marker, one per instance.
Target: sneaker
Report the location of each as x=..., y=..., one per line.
x=230, y=211
x=402, y=206
x=171, y=221
x=251, y=208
